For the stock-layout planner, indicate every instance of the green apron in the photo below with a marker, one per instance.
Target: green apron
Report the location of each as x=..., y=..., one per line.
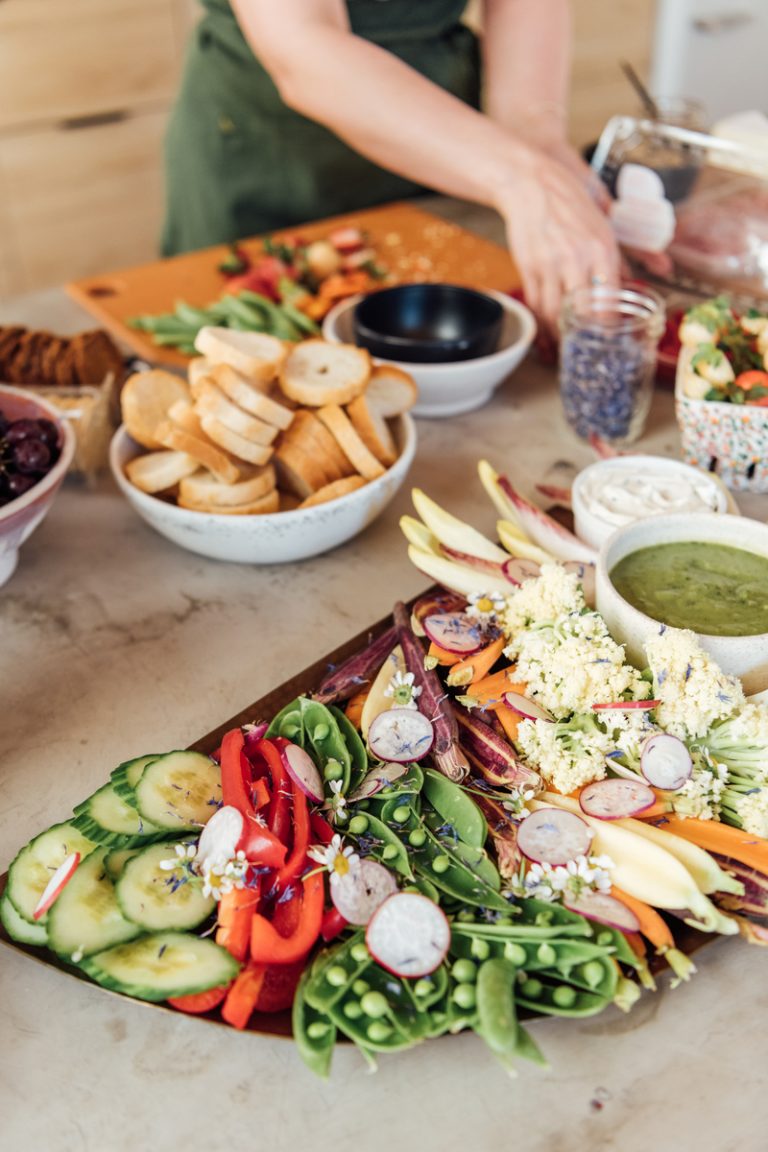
x=239, y=162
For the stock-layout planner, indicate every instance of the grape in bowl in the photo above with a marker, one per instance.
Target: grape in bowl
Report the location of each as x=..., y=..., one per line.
x=36, y=449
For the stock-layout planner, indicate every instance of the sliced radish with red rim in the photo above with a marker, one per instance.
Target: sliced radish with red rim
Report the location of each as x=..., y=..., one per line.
x=56, y=885
x=379, y=778
x=409, y=935
x=358, y=893
x=455, y=632
x=627, y=706
x=604, y=909
x=400, y=735
x=526, y=707
x=221, y=835
x=517, y=570
x=616, y=799
x=665, y=762
x=303, y=771
x=552, y=836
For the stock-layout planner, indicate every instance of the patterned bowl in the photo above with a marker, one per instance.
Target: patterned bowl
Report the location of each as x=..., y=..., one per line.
x=728, y=439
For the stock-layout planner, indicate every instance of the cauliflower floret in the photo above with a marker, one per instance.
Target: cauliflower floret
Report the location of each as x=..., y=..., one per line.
x=553, y=593
x=693, y=691
x=567, y=755
x=751, y=811
x=702, y=794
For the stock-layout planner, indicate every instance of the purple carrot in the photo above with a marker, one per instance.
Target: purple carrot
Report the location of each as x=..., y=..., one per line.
x=433, y=701
x=492, y=757
x=503, y=832
x=359, y=669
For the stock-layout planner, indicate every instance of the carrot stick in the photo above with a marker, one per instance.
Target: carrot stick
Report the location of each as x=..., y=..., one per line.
x=491, y=688
x=354, y=708
x=438, y=655
x=478, y=665
x=660, y=808
x=510, y=721
x=655, y=928
x=721, y=839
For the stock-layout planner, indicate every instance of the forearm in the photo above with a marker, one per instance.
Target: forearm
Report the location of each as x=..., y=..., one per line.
x=381, y=107
x=526, y=55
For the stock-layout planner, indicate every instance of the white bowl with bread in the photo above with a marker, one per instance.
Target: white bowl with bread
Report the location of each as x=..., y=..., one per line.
x=266, y=452
x=457, y=387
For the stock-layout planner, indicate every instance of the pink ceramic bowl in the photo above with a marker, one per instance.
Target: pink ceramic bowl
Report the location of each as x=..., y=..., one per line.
x=19, y=519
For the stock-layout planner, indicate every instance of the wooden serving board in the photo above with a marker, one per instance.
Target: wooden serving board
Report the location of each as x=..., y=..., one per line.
x=412, y=244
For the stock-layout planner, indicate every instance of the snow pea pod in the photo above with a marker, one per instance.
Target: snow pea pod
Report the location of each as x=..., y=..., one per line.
x=355, y=747
x=313, y=1033
x=324, y=738
x=383, y=844
x=496, y=1010
x=288, y=723
x=559, y=999
x=335, y=969
x=456, y=808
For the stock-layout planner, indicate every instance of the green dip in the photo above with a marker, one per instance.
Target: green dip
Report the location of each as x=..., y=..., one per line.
x=710, y=588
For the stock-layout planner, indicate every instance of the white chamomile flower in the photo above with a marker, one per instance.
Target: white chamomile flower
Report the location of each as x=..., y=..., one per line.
x=485, y=607
x=402, y=690
x=185, y=854
x=518, y=800
x=583, y=873
x=337, y=802
x=339, y=859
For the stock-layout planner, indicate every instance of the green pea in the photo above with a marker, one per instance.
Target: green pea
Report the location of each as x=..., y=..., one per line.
x=546, y=953
x=417, y=838
x=480, y=949
x=336, y=976
x=464, y=971
x=531, y=988
x=543, y=918
x=465, y=916
x=401, y=814
x=360, y=987
x=320, y=732
x=358, y=825
x=374, y=1005
x=422, y=987
x=290, y=730
x=515, y=953
x=333, y=770
x=592, y=973
x=317, y=1030
x=364, y=804
x=441, y=864
x=564, y=996
x=359, y=952
x=464, y=995
x=378, y=1031
x=390, y=852
x=605, y=939
x=352, y=1010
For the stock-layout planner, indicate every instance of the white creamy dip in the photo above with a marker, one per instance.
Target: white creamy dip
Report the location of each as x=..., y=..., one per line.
x=618, y=491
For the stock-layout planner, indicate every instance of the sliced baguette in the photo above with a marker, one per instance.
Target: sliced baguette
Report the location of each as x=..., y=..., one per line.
x=334, y=491
x=391, y=391
x=263, y=505
x=233, y=443
x=317, y=373
x=298, y=471
x=204, y=488
x=158, y=471
x=258, y=356
x=313, y=438
x=341, y=428
x=373, y=430
x=237, y=389
x=211, y=401
x=200, y=448
x=145, y=400
x=197, y=369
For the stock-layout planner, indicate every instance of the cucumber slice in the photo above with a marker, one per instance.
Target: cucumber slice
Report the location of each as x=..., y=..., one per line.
x=127, y=775
x=116, y=860
x=19, y=929
x=165, y=965
x=179, y=791
x=108, y=819
x=158, y=899
x=86, y=917
x=30, y=872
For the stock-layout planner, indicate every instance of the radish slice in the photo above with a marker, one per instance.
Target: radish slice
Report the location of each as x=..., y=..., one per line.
x=400, y=735
x=552, y=836
x=517, y=570
x=526, y=707
x=544, y=530
x=604, y=909
x=665, y=762
x=627, y=706
x=56, y=884
x=303, y=771
x=616, y=799
x=221, y=835
x=359, y=893
x=586, y=576
x=408, y=935
x=376, y=780
x=253, y=733
x=455, y=633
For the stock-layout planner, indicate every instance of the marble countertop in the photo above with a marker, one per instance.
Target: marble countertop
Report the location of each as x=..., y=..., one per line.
x=115, y=642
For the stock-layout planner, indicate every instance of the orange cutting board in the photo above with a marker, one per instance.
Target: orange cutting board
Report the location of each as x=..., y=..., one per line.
x=412, y=244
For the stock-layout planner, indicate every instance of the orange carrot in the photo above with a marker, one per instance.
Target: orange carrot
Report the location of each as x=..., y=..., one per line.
x=354, y=708
x=490, y=689
x=652, y=925
x=235, y=916
x=657, y=810
x=475, y=667
x=721, y=839
x=442, y=656
x=510, y=721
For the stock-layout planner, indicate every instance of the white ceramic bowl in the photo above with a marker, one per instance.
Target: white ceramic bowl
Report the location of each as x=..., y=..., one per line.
x=275, y=538
x=19, y=519
x=450, y=389
x=657, y=484
x=743, y=656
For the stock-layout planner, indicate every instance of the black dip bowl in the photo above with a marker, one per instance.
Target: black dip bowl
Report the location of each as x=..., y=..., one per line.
x=428, y=323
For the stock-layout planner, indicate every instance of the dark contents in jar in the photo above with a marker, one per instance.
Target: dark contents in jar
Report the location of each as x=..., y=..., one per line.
x=602, y=377
x=28, y=451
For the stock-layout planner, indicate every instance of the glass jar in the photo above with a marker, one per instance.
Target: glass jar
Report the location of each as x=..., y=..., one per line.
x=609, y=338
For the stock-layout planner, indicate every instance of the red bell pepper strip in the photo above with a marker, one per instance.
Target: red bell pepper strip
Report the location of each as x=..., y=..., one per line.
x=234, y=789
x=279, y=986
x=321, y=829
x=261, y=794
x=199, y=1002
x=296, y=862
x=235, y=916
x=333, y=924
x=269, y=947
x=243, y=995
x=280, y=810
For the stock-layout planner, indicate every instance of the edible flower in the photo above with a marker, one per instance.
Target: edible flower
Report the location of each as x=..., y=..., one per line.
x=583, y=873
x=185, y=854
x=337, y=802
x=402, y=690
x=485, y=607
x=221, y=876
x=338, y=859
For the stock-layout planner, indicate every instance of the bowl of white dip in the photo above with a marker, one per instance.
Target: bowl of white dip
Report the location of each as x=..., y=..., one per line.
x=611, y=493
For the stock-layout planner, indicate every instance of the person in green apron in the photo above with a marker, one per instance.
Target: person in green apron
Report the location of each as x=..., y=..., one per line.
x=292, y=110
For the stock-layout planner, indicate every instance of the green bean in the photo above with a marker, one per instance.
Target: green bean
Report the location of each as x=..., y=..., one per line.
x=194, y=317
x=456, y=808
x=298, y=318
